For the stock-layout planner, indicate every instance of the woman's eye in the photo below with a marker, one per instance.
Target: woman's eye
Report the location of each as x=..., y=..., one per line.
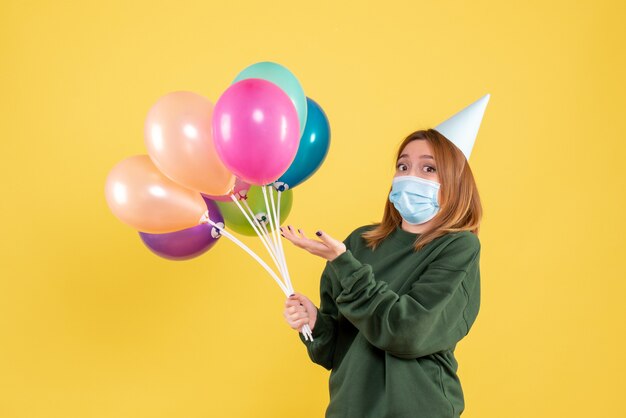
x=430, y=169
x=401, y=167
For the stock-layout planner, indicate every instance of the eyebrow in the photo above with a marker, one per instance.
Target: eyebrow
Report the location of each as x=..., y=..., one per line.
x=430, y=157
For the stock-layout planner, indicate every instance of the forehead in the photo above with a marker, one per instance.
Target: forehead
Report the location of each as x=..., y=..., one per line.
x=416, y=148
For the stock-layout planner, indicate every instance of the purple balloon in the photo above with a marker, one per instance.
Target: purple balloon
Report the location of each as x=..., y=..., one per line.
x=186, y=243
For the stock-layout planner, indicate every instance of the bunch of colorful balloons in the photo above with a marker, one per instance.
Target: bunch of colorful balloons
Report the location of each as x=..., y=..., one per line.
x=229, y=166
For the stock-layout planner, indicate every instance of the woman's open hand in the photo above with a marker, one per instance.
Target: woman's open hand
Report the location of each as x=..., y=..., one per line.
x=328, y=248
x=299, y=310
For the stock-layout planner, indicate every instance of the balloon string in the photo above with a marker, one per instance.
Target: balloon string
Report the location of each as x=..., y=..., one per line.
x=251, y=253
x=280, y=266
x=260, y=225
x=254, y=223
x=278, y=251
x=274, y=214
x=277, y=247
x=261, y=231
x=269, y=215
x=306, y=326
x=280, y=263
x=274, y=226
x=308, y=333
x=267, y=234
x=205, y=218
x=280, y=243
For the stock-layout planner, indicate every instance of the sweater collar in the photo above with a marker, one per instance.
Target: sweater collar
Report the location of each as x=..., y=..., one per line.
x=403, y=237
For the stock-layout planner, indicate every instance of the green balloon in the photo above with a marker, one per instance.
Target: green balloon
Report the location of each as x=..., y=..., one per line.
x=236, y=221
x=283, y=78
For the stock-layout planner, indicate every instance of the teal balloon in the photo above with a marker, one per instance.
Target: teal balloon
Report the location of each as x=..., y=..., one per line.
x=283, y=78
x=236, y=220
x=312, y=150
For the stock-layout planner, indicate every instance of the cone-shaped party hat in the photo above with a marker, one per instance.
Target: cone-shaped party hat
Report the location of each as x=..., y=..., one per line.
x=462, y=128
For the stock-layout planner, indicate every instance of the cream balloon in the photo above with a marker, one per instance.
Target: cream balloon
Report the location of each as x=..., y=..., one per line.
x=179, y=138
x=142, y=197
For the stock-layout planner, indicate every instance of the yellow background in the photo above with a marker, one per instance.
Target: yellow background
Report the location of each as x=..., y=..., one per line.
x=92, y=324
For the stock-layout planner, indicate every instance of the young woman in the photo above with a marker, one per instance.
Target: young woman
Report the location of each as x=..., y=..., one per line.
x=397, y=296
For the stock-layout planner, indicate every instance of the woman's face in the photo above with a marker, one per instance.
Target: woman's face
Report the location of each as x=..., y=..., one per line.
x=416, y=159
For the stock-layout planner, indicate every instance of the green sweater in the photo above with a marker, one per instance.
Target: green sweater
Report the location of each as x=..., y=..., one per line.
x=389, y=321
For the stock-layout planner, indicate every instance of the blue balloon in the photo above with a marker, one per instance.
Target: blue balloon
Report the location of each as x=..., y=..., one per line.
x=312, y=149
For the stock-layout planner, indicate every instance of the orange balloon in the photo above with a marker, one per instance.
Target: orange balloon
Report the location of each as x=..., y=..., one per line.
x=140, y=195
x=179, y=138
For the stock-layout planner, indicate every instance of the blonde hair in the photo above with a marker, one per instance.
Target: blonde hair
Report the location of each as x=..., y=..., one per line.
x=460, y=208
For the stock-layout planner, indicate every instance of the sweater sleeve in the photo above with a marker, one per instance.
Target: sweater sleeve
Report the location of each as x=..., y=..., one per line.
x=431, y=317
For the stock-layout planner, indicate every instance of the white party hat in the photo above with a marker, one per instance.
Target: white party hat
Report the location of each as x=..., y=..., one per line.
x=462, y=128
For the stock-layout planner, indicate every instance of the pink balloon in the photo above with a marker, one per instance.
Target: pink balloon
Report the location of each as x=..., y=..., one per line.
x=256, y=130
x=240, y=189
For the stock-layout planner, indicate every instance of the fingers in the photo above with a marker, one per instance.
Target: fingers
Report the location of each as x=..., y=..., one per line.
x=296, y=312
x=295, y=299
x=295, y=304
x=288, y=233
x=295, y=309
x=327, y=248
x=330, y=241
x=299, y=323
x=285, y=232
x=297, y=319
x=336, y=246
x=300, y=298
x=297, y=316
x=292, y=302
x=305, y=243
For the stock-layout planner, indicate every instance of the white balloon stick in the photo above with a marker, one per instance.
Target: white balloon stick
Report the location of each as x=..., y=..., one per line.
x=279, y=249
x=267, y=234
x=254, y=223
x=280, y=262
x=260, y=226
x=274, y=230
x=252, y=254
x=267, y=208
x=306, y=330
x=280, y=242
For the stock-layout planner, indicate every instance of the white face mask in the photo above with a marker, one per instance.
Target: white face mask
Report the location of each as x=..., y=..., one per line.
x=415, y=198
